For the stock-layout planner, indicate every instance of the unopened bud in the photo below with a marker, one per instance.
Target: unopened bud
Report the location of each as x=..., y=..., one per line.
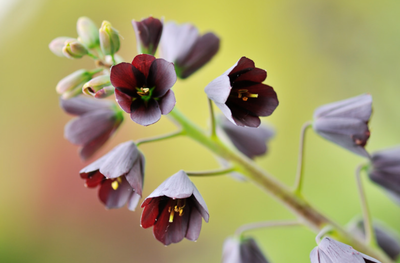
x=88, y=32
x=56, y=46
x=71, y=85
x=99, y=87
x=109, y=38
x=74, y=49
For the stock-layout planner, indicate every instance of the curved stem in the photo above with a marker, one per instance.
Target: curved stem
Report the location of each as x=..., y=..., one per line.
x=93, y=56
x=212, y=172
x=266, y=224
x=369, y=230
x=311, y=217
x=160, y=138
x=113, y=60
x=299, y=173
x=212, y=116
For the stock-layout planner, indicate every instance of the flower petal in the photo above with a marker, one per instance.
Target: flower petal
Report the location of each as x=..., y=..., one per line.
x=115, y=198
x=133, y=201
x=178, y=186
x=94, y=180
x=81, y=105
x=136, y=175
x=161, y=76
x=150, y=212
x=148, y=34
x=242, y=117
x=195, y=222
x=244, y=64
x=123, y=100
x=160, y=229
x=143, y=63
x=167, y=102
x=178, y=228
x=219, y=89
x=126, y=78
x=250, y=252
x=145, y=114
x=255, y=75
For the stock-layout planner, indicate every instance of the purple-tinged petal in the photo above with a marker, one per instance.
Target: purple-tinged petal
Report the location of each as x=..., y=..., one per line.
x=194, y=227
x=231, y=251
x=124, y=77
x=145, y=114
x=95, y=166
x=115, y=198
x=94, y=180
x=219, y=89
x=120, y=161
x=148, y=34
x=160, y=229
x=178, y=186
x=242, y=251
x=161, y=76
x=243, y=65
x=123, y=100
x=178, y=228
x=150, y=212
x=135, y=176
x=143, y=63
x=81, y=105
x=243, y=117
x=255, y=75
x=133, y=201
x=200, y=204
x=90, y=148
x=167, y=102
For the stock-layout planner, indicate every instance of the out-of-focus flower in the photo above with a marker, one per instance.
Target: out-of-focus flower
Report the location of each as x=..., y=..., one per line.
x=56, y=45
x=97, y=121
x=99, y=87
x=119, y=174
x=332, y=251
x=385, y=237
x=241, y=96
x=175, y=210
x=71, y=85
x=182, y=45
x=143, y=88
x=109, y=38
x=88, y=32
x=244, y=250
x=148, y=34
x=345, y=123
x=250, y=141
x=385, y=171
x=74, y=49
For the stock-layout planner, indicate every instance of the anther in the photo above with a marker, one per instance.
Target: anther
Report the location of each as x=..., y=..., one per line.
x=244, y=94
x=143, y=91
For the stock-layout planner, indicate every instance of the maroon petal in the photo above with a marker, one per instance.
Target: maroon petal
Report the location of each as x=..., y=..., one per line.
x=194, y=227
x=81, y=105
x=123, y=100
x=160, y=229
x=145, y=114
x=244, y=64
x=162, y=77
x=94, y=180
x=124, y=77
x=255, y=75
x=142, y=63
x=243, y=117
x=148, y=34
x=178, y=228
x=115, y=198
x=167, y=102
x=150, y=212
x=136, y=174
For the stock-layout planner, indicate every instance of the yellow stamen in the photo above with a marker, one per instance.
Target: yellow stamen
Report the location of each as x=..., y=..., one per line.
x=115, y=185
x=178, y=208
x=244, y=94
x=171, y=214
x=143, y=91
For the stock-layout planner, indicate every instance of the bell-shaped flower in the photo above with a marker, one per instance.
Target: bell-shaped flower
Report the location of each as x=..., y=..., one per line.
x=119, y=174
x=332, y=251
x=183, y=45
x=148, y=33
x=241, y=96
x=174, y=210
x=249, y=141
x=143, y=88
x=345, y=123
x=244, y=250
x=97, y=120
x=385, y=171
x=385, y=237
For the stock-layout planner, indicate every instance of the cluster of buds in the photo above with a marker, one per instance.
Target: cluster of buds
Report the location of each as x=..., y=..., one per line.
x=143, y=89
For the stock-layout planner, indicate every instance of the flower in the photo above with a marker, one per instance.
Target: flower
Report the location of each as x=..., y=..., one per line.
x=120, y=176
x=148, y=34
x=97, y=121
x=249, y=141
x=242, y=251
x=345, y=123
x=241, y=96
x=174, y=210
x=385, y=237
x=182, y=45
x=143, y=88
x=385, y=171
x=88, y=32
x=332, y=251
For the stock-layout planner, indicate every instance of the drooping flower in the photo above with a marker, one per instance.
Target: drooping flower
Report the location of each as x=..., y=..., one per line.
x=148, y=33
x=332, y=251
x=385, y=237
x=143, y=88
x=242, y=251
x=250, y=141
x=385, y=171
x=241, y=96
x=183, y=45
x=345, y=123
x=174, y=210
x=97, y=120
x=119, y=174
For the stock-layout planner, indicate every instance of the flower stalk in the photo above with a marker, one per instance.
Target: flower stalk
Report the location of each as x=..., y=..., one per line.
x=212, y=172
x=266, y=224
x=161, y=137
x=299, y=173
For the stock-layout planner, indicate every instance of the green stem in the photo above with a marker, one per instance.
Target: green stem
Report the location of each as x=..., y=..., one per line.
x=92, y=56
x=212, y=172
x=308, y=214
x=368, y=227
x=212, y=116
x=266, y=224
x=113, y=59
x=299, y=173
x=160, y=138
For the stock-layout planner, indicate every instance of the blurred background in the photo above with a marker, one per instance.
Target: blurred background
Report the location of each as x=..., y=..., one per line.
x=315, y=52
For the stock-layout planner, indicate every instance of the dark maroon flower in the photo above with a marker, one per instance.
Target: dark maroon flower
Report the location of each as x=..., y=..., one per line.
x=183, y=45
x=345, y=123
x=97, y=121
x=174, y=210
x=240, y=94
x=148, y=34
x=249, y=141
x=244, y=250
x=119, y=174
x=385, y=171
x=143, y=88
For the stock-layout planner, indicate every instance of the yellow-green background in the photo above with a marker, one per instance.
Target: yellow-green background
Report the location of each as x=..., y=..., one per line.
x=315, y=52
